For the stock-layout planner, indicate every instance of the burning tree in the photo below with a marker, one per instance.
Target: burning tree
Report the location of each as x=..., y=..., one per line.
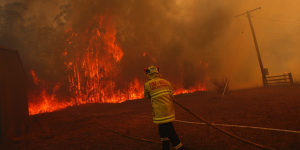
x=92, y=64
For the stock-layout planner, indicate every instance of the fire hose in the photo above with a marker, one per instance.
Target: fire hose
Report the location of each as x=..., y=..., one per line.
x=200, y=119
x=222, y=130
x=240, y=126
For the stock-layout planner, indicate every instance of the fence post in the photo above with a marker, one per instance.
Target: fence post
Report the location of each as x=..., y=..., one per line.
x=291, y=78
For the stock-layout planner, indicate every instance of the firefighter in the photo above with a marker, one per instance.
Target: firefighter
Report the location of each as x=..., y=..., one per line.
x=160, y=92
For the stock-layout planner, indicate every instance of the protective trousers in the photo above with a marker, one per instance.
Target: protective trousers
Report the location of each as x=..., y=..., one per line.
x=168, y=134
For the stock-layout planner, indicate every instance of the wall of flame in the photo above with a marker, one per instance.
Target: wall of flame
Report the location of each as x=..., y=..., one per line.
x=92, y=67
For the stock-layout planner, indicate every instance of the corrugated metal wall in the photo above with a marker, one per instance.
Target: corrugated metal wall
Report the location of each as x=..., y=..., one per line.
x=13, y=96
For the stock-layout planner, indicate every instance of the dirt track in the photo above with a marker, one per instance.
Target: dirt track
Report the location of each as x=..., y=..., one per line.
x=80, y=127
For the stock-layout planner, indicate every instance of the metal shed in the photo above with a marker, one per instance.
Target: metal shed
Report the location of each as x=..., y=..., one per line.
x=13, y=96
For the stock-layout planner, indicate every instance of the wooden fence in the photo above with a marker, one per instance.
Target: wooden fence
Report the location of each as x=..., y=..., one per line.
x=284, y=79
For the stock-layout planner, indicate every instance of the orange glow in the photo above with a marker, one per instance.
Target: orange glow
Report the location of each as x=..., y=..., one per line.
x=35, y=79
x=144, y=54
x=46, y=103
x=92, y=77
x=190, y=90
x=93, y=69
x=44, y=100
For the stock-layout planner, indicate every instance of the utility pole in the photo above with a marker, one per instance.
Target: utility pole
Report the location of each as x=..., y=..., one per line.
x=264, y=71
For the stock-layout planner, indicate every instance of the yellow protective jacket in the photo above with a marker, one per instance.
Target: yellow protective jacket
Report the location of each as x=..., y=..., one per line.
x=160, y=92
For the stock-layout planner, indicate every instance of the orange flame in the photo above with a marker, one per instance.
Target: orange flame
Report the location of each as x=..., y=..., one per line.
x=92, y=77
x=44, y=101
x=93, y=70
x=199, y=87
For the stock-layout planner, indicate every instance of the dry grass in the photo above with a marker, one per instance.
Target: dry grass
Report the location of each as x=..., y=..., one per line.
x=277, y=107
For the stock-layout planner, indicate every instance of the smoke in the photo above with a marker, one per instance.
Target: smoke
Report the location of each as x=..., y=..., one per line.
x=191, y=40
x=277, y=29
x=35, y=29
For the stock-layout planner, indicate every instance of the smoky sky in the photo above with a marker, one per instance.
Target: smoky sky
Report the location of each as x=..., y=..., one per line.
x=192, y=41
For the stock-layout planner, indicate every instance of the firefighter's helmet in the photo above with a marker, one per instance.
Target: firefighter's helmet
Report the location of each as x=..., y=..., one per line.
x=152, y=70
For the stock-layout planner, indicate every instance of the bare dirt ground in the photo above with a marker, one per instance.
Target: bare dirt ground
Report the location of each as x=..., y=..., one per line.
x=86, y=127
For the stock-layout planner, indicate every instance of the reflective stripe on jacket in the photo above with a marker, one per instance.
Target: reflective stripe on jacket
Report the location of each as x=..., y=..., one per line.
x=160, y=92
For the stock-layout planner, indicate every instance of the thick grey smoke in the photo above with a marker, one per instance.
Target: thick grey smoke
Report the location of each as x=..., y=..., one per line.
x=191, y=40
